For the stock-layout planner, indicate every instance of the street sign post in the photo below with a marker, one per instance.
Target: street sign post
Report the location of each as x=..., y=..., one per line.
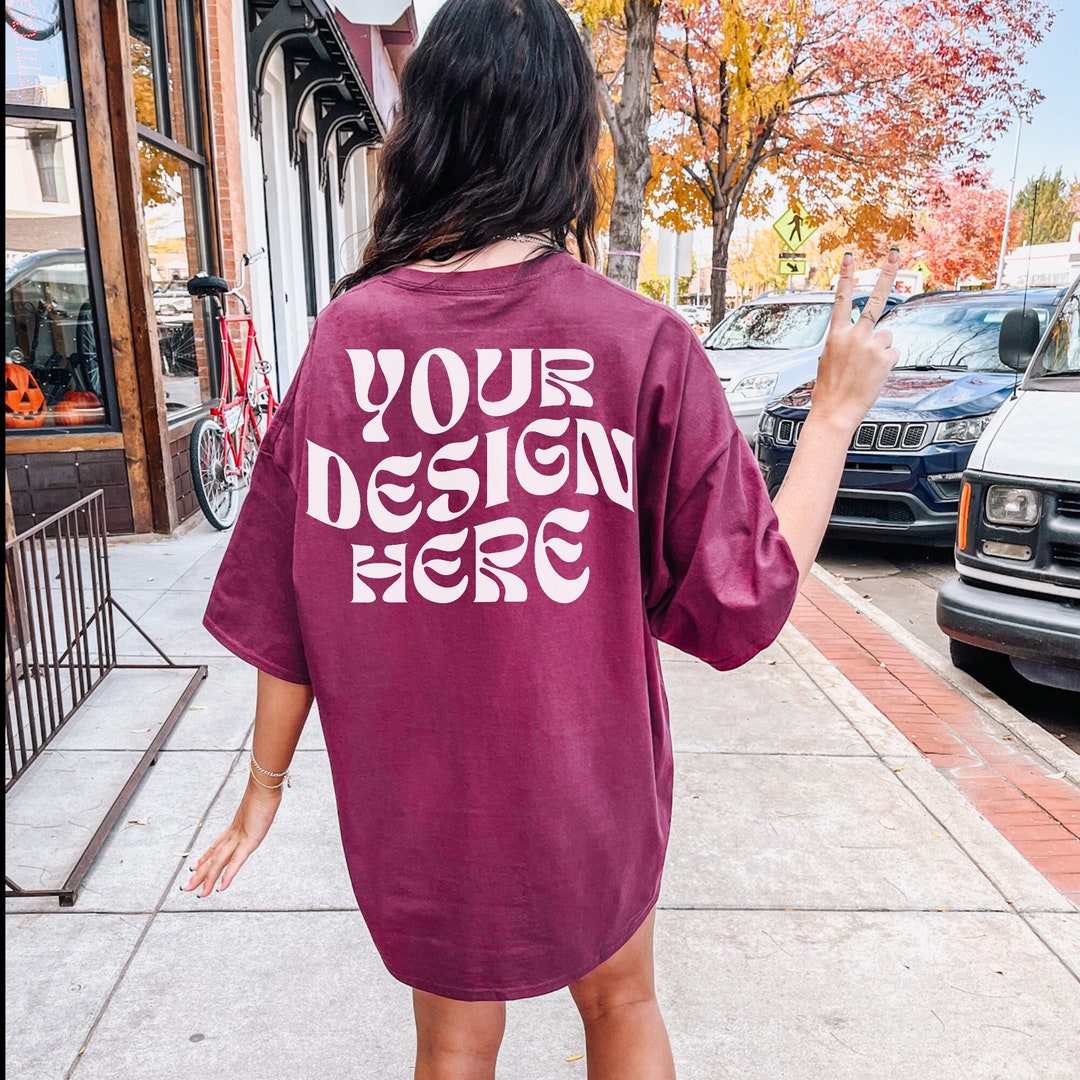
x=793, y=228
x=792, y=263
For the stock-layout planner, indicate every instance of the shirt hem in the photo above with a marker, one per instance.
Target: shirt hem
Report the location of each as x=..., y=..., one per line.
x=547, y=986
x=252, y=657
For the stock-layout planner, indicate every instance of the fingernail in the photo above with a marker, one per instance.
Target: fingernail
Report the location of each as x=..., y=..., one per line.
x=848, y=255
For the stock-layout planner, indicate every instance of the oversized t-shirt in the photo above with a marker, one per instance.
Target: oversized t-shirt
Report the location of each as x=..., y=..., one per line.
x=484, y=498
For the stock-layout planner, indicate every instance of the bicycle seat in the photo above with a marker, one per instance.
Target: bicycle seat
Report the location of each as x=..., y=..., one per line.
x=205, y=285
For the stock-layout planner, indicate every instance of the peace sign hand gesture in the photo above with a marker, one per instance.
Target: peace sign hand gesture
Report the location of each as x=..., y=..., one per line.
x=851, y=372
x=857, y=357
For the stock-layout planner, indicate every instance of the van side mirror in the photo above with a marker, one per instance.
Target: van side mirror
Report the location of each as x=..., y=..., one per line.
x=1018, y=338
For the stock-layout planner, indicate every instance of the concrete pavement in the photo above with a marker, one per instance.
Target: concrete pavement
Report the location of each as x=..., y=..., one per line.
x=837, y=902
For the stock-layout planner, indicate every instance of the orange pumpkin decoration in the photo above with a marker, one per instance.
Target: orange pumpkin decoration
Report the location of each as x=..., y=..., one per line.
x=24, y=403
x=78, y=407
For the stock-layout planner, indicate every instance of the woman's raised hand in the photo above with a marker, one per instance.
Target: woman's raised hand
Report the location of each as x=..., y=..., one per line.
x=857, y=356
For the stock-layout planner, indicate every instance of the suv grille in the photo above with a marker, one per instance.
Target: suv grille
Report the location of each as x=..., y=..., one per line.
x=871, y=435
x=896, y=513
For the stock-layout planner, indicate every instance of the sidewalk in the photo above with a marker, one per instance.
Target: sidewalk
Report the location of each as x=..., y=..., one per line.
x=872, y=874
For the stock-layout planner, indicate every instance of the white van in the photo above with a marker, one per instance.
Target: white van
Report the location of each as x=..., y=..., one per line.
x=1018, y=537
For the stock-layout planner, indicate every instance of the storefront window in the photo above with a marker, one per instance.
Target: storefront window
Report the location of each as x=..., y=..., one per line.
x=167, y=97
x=55, y=374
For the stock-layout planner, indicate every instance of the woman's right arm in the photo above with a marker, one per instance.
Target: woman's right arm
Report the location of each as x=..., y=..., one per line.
x=280, y=711
x=851, y=372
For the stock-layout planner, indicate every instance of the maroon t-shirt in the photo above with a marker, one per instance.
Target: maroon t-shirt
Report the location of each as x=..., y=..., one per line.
x=483, y=499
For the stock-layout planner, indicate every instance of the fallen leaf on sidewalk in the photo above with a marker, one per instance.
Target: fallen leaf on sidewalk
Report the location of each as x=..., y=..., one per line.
x=899, y=768
x=1055, y=776
x=139, y=821
x=139, y=730
x=196, y=708
x=575, y=1057
x=1007, y=738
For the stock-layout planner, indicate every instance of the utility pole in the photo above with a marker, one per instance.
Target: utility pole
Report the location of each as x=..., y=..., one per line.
x=1008, y=207
x=673, y=292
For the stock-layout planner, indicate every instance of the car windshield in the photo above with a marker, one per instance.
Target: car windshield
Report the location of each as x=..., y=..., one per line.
x=952, y=335
x=772, y=326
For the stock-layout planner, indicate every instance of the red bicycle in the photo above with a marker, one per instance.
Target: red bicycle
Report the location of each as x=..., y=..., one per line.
x=225, y=443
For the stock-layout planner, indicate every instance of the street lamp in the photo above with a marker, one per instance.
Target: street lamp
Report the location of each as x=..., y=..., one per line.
x=1008, y=206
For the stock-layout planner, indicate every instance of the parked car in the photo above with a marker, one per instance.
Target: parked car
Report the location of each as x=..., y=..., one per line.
x=902, y=477
x=1018, y=542
x=770, y=345
x=49, y=324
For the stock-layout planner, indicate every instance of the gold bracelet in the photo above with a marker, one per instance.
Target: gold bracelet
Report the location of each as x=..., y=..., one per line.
x=284, y=774
x=269, y=787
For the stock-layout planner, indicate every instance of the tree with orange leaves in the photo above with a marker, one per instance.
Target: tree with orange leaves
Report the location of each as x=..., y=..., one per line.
x=845, y=107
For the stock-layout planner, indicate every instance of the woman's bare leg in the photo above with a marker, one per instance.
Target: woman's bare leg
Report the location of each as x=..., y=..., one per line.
x=625, y=1037
x=457, y=1040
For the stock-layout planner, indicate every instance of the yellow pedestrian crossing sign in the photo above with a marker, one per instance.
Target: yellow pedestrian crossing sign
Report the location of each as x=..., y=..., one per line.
x=793, y=228
x=922, y=270
x=792, y=263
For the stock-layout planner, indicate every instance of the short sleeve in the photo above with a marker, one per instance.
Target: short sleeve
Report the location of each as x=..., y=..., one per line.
x=252, y=609
x=720, y=580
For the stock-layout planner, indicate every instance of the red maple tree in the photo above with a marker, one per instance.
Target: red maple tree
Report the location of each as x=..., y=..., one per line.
x=958, y=232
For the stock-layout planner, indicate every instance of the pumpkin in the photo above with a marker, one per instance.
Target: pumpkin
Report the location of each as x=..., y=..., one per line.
x=78, y=407
x=24, y=403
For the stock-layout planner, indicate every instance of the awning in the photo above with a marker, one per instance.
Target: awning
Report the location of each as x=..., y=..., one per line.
x=319, y=66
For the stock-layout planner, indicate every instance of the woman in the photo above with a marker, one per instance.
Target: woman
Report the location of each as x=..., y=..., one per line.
x=496, y=480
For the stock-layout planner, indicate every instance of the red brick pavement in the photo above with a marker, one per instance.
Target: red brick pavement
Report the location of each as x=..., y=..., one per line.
x=1036, y=812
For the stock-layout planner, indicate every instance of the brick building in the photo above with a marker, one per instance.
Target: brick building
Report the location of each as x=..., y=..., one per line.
x=148, y=140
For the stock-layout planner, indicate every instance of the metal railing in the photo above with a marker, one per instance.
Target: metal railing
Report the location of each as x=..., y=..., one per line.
x=61, y=619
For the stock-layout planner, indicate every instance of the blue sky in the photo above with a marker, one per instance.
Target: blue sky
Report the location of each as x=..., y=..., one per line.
x=1053, y=136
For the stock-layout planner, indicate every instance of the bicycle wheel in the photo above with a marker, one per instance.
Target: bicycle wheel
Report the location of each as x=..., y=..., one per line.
x=214, y=488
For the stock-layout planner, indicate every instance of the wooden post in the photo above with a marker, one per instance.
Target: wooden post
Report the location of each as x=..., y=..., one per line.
x=105, y=64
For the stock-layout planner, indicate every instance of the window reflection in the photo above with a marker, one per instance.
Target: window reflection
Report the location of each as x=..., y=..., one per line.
x=171, y=198
x=772, y=326
x=52, y=368
x=35, y=70
x=155, y=44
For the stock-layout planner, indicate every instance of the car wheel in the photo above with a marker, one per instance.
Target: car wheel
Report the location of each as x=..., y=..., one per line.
x=981, y=664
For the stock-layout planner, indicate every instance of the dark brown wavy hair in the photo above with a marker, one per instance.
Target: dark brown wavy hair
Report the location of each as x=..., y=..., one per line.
x=496, y=134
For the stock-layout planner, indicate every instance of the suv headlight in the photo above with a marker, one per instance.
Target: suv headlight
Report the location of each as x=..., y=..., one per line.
x=1007, y=505
x=755, y=386
x=767, y=425
x=966, y=429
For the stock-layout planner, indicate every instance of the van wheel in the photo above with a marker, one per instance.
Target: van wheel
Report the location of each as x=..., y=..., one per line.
x=981, y=664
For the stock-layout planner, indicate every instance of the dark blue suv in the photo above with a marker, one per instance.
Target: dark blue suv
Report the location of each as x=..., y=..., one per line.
x=902, y=477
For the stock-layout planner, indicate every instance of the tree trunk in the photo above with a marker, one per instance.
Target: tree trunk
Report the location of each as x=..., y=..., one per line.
x=723, y=226
x=630, y=135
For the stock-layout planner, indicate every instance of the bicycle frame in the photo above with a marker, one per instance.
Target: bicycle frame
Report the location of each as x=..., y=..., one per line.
x=241, y=390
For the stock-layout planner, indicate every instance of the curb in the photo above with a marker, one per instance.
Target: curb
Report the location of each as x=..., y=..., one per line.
x=1055, y=753
x=1023, y=888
